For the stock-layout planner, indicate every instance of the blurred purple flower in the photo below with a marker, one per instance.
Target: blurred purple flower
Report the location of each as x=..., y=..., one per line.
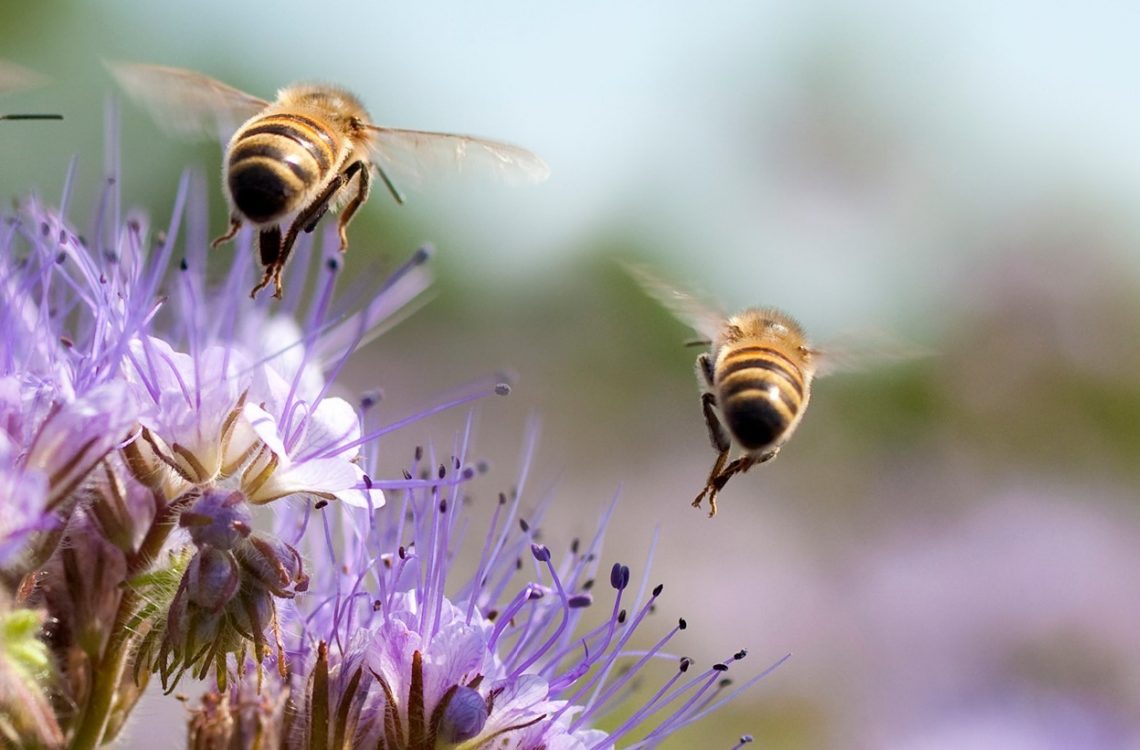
x=1012, y=626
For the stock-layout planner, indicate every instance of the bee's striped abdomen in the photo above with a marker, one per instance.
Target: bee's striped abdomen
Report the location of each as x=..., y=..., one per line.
x=760, y=392
x=275, y=160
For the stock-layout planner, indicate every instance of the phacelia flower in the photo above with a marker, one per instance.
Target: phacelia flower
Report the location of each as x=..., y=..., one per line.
x=133, y=395
x=186, y=493
x=399, y=645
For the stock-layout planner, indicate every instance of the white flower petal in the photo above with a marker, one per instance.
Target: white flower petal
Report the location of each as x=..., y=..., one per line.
x=322, y=477
x=334, y=422
x=264, y=425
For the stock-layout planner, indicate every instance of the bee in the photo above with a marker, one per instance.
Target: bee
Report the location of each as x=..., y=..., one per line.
x=310, y=151
x=756, y=378
x=13, y=77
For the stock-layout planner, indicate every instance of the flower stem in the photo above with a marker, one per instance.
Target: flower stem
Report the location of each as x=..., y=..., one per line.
x=108, y=672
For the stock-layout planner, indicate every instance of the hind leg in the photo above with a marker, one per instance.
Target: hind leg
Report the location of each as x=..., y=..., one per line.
x=721, y=441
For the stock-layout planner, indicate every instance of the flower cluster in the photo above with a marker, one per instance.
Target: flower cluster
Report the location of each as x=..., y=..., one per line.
x=407, y=648
x=145, y=414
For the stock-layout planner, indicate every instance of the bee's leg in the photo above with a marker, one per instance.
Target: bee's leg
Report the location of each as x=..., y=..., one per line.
x=362, y=182
x=739, y=466
x=306, y=220
x=269, y=245
x=309, y=216
x=718, y=436
x=235, y=225
x=316, y=219
x=705, y=368
x=721, y=442
x=361, y=195
x=711, y=488
x=272, y=257
x=744, y=463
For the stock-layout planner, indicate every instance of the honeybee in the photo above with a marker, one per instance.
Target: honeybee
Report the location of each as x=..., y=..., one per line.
x=310, y=151
x=755, y=379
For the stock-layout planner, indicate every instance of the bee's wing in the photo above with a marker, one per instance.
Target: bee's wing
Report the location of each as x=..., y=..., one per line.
x=13, y=77
x=703, y=317
x=411, y=155
x=858, y=351
x=186, y=103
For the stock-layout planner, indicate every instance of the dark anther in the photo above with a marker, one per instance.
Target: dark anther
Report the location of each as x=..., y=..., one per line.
x=619, y=576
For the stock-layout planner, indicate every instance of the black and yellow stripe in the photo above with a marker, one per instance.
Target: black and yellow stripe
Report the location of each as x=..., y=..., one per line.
x=760, y=391
x=275, y=160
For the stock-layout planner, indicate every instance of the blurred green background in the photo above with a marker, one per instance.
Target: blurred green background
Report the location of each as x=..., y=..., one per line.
x=950, y=546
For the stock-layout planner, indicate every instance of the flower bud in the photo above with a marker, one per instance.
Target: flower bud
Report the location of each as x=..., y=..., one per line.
x=212, y=578
x=464, y=717
x=219, y=519
x=274, y=564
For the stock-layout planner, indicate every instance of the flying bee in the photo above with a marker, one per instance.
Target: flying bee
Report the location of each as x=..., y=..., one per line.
x=310, y=151
x=755, y=379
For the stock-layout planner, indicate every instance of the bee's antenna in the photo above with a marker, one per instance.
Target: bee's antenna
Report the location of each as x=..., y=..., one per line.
x=388, y=183
x=31, y=117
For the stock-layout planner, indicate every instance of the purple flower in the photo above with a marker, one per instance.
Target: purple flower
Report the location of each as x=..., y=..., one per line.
x=131, y=394
x=144, y=414
x=404, y=647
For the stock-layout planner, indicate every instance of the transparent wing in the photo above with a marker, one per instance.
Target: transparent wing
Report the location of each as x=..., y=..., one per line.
x=186, y=103
x=861, y=350
x=14, y=77
x=410, y=156
x=703, y=317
